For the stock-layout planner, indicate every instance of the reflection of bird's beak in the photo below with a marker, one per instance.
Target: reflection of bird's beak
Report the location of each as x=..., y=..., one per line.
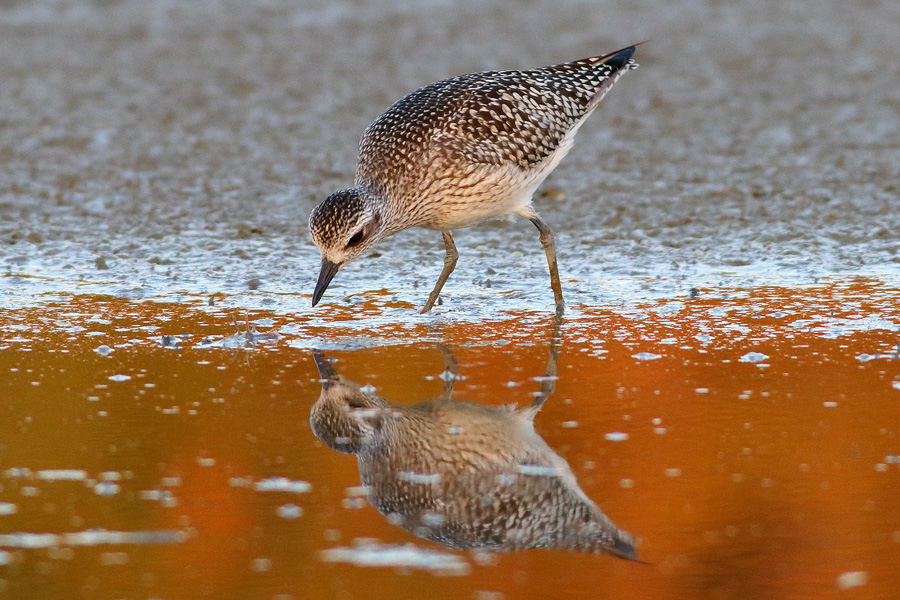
x=329, y=270
x=326, y=370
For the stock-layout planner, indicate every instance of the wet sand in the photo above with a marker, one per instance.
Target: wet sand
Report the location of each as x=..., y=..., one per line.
x=726, y=226
x=179, y=147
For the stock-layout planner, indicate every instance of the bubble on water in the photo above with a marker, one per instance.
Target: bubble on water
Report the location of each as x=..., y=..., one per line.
x=675, y=472
x=282, y=484
x=103, y=350
x=353, y=503
x=118, y=378
x=91, y=537
x=616, y=436
x=374, y=554
x=829, y=404
x=62, y=474
x=420, y=478
x=8, y=508
x=357, y=490
x=626, y=483
x=206, y=462
x=537, y=470
x=106, y=488
x=895, y=385
x=289, y=511
x=852, y=579
x=261, y=565
x=646, y=356
x=432, y=519
x=864, y=358
x=5, y=558
x=753, y=357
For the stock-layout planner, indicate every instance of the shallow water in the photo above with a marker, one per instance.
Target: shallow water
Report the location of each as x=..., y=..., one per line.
x=729, y=383
x=748, y=438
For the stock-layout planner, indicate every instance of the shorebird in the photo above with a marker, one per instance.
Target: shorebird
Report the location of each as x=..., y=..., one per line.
x=469, y=476
x=458, y=152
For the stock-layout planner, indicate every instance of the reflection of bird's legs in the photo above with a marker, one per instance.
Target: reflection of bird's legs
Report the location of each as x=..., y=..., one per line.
x=548, y=381
x=451, y=371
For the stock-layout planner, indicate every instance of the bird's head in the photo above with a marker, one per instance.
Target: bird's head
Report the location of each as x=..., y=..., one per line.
x=345, y=417
x=344, y=226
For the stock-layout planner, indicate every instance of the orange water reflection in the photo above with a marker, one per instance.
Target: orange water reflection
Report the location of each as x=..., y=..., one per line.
x=771, y=477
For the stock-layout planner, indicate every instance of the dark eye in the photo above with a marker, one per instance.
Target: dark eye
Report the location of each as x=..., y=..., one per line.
x=356, y=239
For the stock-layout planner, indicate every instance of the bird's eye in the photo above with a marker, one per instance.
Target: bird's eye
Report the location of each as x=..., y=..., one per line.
x=356, y=239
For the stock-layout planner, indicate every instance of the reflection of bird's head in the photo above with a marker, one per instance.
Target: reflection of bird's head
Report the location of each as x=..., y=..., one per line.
x=344, y=417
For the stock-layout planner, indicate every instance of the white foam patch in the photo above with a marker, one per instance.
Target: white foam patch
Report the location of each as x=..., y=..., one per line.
x=90, y=537
x=282, y=484
x=62, y=474
x=388, y=555
x=753, y=357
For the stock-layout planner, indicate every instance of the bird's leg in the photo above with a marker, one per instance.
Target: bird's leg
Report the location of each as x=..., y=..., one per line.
x=449, y=265
x=550, y=250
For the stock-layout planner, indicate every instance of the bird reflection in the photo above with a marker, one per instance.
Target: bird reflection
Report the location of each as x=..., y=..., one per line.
x=469, y=476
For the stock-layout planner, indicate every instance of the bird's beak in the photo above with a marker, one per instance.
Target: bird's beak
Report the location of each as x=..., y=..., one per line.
x=329, y=270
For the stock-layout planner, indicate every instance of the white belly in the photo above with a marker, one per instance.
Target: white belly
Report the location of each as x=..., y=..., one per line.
x=493, y=193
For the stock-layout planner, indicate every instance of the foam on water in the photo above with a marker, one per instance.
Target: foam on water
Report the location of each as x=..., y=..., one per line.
x=373, y=554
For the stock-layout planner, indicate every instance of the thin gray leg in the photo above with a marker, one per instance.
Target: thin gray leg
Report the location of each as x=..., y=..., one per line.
x=449, y=265
x=550, y=251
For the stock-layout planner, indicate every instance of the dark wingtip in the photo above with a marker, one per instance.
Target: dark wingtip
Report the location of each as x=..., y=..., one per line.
x=620, y=59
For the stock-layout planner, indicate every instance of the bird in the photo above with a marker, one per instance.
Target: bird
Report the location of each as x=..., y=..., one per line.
x=458, y=152
x=469, y=476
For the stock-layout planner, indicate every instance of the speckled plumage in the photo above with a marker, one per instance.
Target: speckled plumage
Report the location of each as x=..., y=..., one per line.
x=460, y=151
x=468, y=476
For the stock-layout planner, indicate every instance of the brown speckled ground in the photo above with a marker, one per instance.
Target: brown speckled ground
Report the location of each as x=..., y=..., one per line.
x=182, y=145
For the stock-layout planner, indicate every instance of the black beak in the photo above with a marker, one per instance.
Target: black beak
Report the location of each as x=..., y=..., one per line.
x=329, y=270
